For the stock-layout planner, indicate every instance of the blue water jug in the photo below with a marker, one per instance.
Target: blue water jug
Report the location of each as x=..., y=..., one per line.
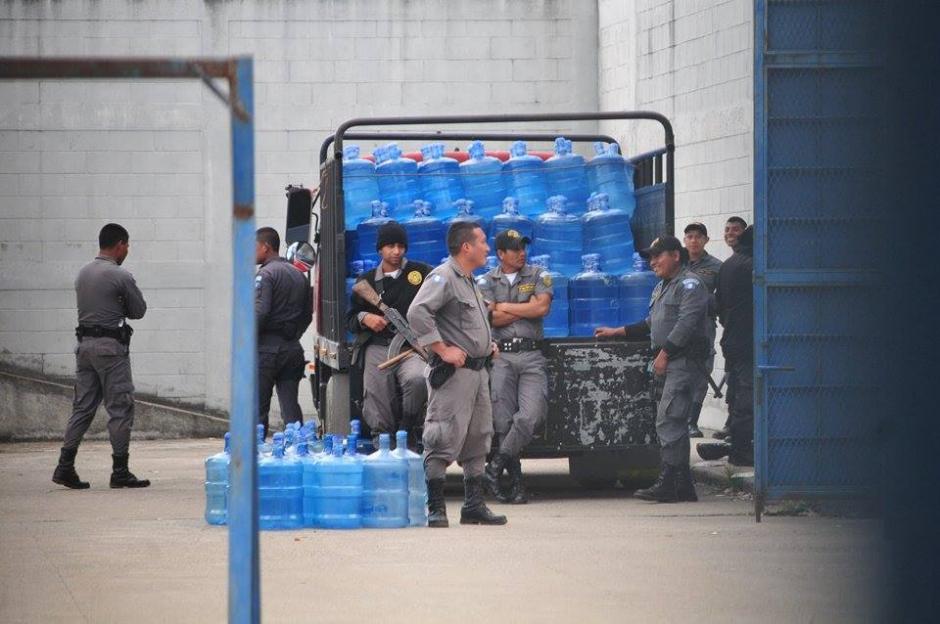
x=217, y=484
x=566, y=174
x=280, y=489
x=636, y=289
x=398, y=179
x=359, y=187
x=308, y=461
x=559, y=235
x=440, y=180
x=384, y=488
x=609, y=173
x=607, y=232
x=555, y=323
x=339, y=480
x=483, y=181
x=595, y=298
x=426, y=235
x=464, y=210
x=524, y=179
x=417, y=486
x=368, y=231
x=511, y=219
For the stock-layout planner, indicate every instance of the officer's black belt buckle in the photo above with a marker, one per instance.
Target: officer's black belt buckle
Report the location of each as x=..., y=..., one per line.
x=519, y=345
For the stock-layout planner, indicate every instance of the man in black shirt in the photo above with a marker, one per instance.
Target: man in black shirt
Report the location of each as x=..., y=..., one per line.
x=393, y=398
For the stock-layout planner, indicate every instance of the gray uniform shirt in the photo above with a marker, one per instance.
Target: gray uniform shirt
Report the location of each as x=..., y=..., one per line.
x=531, y=280
x=280, y=290
x=678, y=312
x=706, y=268
x=450, y=308
x=106, y=294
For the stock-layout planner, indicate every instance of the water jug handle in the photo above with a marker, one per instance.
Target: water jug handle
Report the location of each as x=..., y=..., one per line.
x=562, y=146
x=476, y=150
x=600, y=148
x=511, y=205
x=392, y=151
x=518, y=148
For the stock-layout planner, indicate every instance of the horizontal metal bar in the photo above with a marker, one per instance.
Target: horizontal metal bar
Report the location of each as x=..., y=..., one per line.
x=646, y=155
x=807, y=278
x=22, y=68
x=461, y=136
x=812, y=59
x=766, y=368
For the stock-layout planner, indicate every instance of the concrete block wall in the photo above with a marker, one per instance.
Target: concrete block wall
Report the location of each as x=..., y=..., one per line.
x=154, y=155
x=691, y=60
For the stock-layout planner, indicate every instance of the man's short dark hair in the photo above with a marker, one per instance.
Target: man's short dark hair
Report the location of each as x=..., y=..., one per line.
x=458, y=233
x=112, y=234
x=269, y=237
x=737, y=220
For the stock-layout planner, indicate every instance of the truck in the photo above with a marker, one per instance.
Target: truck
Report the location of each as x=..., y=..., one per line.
x=601, y=416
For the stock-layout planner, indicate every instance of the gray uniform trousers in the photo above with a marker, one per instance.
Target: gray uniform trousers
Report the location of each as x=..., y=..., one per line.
x=102, y=371
x=382, y=389
x=459, y=424
x=672, y=411
x=519, y=388
x=701, y=386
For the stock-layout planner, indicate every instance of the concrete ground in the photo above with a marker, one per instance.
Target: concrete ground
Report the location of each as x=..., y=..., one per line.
x=104, y=555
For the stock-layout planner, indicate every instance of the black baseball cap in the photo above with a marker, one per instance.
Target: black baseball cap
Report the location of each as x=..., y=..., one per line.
x=696, y=226
x=661, y=244
x=511, y=240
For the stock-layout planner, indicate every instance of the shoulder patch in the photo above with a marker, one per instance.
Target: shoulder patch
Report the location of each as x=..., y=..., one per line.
x=481, y=281
x=436, y=279
x=689, y=283
x=258, y=281
x=546, y=279
x=415, y=278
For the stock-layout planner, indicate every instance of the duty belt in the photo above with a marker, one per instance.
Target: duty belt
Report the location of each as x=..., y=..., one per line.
x=519, y=345
x=121, y=334
x=441, y=371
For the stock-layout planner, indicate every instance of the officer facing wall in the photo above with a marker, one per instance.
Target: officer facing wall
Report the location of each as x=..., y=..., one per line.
x=393, y=398
x=283, y=311
x=519, y=296
x=451, y=321
x=106, y=295
x=677, y=327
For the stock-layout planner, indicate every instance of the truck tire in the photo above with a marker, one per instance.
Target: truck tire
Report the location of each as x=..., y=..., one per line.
x=337, y=404
x=634, y=468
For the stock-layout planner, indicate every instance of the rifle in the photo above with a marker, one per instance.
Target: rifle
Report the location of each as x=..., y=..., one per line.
x=368, y=294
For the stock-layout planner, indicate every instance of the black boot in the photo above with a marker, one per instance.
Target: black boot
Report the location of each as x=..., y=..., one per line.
x=493, y=472
x=437, y=508
x=742, y=455
x=65, y=472
x=516, y=494
x=664, y=490
x=711, y=451
x=474, y=510
x=121, y=477
x=694, y=431
x=685, y=486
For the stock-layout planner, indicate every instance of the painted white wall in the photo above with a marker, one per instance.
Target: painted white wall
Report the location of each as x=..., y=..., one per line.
x=155, y=156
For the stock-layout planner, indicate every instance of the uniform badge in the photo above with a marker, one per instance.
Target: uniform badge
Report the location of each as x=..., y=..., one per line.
x=526, y=288
x=415, y=278
x=546, y=279
x=513, y=234
x=436, y=279
x=689, y=283
x=257, y=281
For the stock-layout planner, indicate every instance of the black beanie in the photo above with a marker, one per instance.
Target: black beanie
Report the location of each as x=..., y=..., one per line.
x=391, y=233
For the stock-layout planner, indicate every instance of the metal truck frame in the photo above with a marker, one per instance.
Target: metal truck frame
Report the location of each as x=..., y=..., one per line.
x=600, y=414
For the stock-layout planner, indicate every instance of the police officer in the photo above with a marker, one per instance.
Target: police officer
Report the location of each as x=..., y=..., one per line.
x=107, y=295
x=734, y=228
x=519, y=295
x=283, y=310
x=392, y=398
x=451, y=320
x=706, y=266
x=677, y=326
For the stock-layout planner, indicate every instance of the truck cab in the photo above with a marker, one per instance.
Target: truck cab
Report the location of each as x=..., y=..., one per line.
x=601, y=416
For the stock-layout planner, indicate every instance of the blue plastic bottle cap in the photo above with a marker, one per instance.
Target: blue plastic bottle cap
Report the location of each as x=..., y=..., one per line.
x=392, y=151
x=556, y=203
x=600, y=148
x=562, y=146
x=476, y=151
x=511, y=205
x=518, y=149
x=351, y=152
x=426, y=152
x=613, y=148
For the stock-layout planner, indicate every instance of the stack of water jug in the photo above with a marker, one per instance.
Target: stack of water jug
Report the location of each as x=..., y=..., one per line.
x=576, y=212
x=327, y=484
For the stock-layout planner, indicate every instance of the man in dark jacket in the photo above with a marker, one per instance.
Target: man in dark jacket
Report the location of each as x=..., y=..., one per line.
x=393, y=398
x=283, y=311
x=736, y=313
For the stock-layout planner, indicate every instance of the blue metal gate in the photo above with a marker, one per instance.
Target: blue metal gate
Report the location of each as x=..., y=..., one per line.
x=817, y=194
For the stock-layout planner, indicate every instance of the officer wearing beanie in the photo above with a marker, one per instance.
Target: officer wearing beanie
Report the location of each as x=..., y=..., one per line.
x=677, y=327
x=393, y=398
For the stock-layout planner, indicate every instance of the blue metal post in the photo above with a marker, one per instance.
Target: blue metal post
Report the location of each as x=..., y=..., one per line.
x=244, y=594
